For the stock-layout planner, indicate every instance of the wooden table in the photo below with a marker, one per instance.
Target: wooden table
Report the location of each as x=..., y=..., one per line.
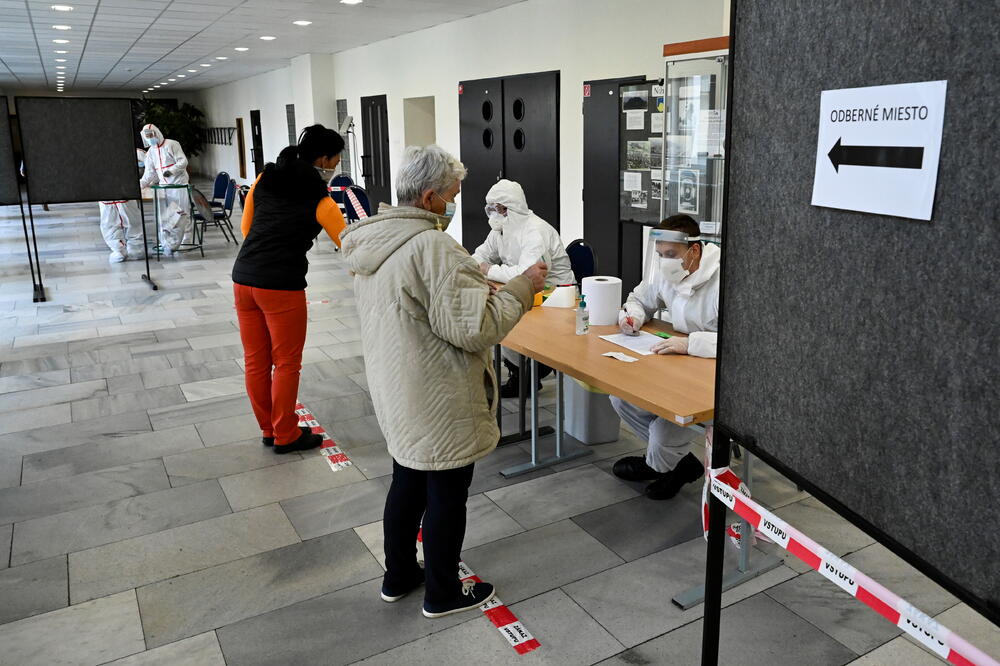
x=678, y=388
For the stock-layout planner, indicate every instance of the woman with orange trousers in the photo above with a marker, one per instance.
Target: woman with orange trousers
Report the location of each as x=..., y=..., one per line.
x=286, y=208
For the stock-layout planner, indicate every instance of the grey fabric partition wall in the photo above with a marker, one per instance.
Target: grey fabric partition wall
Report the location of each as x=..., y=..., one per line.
x=9, y=191
x=860, y=354
x=78, y=149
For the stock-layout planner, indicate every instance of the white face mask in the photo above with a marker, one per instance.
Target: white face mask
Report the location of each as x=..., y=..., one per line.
x=496, y=221
x=672, y=270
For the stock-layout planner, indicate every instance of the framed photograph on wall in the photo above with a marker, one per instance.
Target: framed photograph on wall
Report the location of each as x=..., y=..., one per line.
x=687, y=191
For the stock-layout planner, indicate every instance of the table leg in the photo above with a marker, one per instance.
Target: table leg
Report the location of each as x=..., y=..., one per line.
x=559, y=457
x=743, y=571
x=522, y=432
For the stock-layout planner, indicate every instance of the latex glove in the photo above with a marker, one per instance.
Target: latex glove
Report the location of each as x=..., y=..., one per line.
x=626, y=327
x=484, y=268
x=167, y=174
x=673, y=345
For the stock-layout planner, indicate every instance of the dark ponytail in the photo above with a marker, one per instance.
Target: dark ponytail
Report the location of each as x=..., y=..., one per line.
x=315, y=141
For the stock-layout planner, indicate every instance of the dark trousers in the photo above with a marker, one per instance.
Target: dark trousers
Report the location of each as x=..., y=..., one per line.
x=439, y=498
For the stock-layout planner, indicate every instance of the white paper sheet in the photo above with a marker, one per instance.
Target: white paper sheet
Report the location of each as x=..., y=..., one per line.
x=640, y=344
x=635, y=120
x=656, y=123
x=633, y=180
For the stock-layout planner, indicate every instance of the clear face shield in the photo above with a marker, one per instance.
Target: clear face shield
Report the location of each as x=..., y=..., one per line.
x=666, y=253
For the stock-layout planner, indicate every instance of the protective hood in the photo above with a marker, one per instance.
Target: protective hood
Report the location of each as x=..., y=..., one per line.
x=510, y=194
x=708, y=267
x=367, y=244
x=156, y=132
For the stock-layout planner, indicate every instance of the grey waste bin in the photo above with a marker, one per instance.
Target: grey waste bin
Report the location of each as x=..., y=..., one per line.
x=590, y=418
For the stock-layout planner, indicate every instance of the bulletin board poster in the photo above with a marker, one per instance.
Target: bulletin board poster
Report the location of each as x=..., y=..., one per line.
x=641, y=158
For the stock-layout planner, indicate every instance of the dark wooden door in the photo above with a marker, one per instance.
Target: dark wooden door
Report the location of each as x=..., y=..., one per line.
x=375, y=152
x=480, y=116
x=257, y=149
x=531, y=140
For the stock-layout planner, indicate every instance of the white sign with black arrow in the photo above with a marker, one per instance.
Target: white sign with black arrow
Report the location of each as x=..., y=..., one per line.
x=878, y=148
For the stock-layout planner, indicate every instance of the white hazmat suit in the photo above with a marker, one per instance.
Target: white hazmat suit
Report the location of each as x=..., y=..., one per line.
x=166, y=164
x=121, y=226
x=693, y=308
x=520, y=239
x=517, y=241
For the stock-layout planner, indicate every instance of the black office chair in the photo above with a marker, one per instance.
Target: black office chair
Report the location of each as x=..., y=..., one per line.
x=219, y=190
x=204, y=215
x=582, y=258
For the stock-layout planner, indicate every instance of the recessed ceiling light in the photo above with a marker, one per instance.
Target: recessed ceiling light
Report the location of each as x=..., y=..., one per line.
x=204, y=64
x=268, y=38
x=192, y=70
x=61, y=27
x=60, y=66
x=62, y=8
x=62, y=51
x=163, y=83
x=60, y=41
x=241, y=49
x=60, y=59
x=171, y=80
x=181, y=76
x=156, y=86
x=350, y=2
x=302, y=22
x=221, y=58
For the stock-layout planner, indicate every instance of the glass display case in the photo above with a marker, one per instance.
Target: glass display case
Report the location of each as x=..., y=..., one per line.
x=692, y=169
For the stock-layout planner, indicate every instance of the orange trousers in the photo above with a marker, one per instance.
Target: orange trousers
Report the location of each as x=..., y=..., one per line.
x=273, y=331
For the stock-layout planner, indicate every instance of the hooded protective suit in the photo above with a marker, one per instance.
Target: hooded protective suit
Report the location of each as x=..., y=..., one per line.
x=520, y=239
x=121, y=226
x=693, y=304
x=166, y=164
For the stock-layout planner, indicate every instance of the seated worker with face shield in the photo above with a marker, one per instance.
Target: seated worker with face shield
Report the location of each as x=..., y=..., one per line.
x=684, y=280
x=517, y=240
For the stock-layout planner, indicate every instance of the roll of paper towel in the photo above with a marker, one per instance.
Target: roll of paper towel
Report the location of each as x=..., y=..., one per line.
x=562, y=297
x=604, y=299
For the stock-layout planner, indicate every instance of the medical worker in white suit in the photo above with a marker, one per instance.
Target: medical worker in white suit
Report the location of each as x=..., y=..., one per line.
x=683, y=279
x=121, y=226
x=166, y=164
x=517, y=240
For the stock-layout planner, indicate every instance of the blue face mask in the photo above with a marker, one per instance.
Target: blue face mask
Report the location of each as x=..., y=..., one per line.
x=449, y=207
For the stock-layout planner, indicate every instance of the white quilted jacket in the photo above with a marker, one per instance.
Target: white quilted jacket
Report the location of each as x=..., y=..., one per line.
x=428, y=325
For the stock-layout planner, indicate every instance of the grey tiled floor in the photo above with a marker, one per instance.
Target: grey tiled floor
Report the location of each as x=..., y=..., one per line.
x=141, y=521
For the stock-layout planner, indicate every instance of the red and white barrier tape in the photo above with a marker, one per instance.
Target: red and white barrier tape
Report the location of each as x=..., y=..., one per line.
x=320, y=302
x=926, y=630
x=728, y=477
x=499, y=614
x=334, y=455
x=358, y=208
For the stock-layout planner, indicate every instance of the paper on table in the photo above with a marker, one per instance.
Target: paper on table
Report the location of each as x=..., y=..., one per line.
x=620, y=356
x=640, y=344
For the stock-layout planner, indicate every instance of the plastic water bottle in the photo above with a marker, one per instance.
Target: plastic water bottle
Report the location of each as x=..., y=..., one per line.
x=582, y=317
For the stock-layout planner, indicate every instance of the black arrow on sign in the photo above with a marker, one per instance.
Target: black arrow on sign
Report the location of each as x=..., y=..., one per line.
x=897, y=157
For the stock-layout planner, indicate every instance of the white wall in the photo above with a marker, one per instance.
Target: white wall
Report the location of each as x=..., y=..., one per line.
x=583, y=39
x=269, y=93
x=419, y=122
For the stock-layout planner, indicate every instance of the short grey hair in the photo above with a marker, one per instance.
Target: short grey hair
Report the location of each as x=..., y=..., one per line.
x=426, y=168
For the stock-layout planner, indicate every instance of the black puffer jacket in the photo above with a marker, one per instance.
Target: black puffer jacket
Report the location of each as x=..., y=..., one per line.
x=273, y=256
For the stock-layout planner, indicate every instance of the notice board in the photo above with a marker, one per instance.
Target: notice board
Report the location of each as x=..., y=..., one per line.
x=860, y=351
x=78, y=149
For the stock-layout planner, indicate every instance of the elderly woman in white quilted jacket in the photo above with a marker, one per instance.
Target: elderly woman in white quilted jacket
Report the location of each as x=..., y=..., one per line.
x=428, y=322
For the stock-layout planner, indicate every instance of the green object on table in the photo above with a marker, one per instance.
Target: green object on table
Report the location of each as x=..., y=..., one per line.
x=662, y=334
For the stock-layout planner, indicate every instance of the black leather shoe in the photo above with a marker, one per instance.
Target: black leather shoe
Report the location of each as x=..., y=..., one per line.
x=511, y=388
x=306, y=441
x=634, y=468
x=688, y=470
x=269, y=441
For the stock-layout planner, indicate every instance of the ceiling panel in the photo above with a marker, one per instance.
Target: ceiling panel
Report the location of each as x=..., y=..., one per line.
x=131, y=44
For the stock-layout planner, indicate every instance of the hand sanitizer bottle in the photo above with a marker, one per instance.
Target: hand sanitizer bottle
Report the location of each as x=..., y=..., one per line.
x=582, y=317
